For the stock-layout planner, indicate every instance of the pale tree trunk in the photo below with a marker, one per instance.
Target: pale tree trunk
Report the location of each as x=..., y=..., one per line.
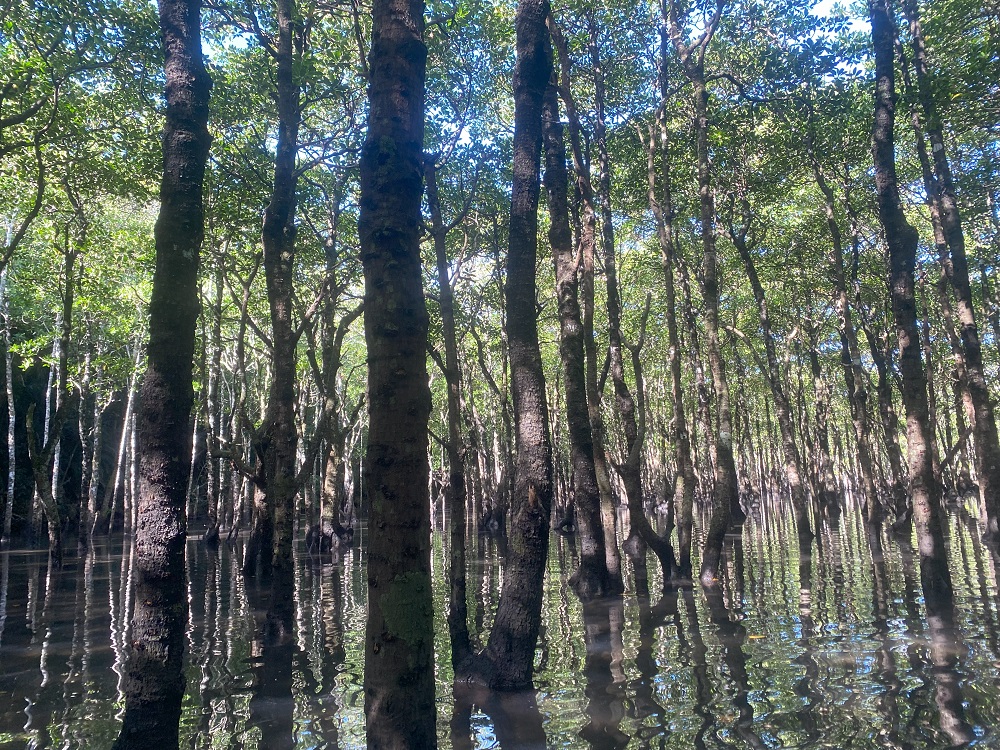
x=8, y=513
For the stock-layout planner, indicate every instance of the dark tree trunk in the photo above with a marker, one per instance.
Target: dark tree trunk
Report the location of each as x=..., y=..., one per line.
x=399, y=646
x=890, y=427
x=725, y=501
x=956, y=268
x=587, y=245
x=901, y=239
x=592, y=579
x=507, y=661
x=154, y=681
x=826, y=483
x=623, y=399
x=278, y=437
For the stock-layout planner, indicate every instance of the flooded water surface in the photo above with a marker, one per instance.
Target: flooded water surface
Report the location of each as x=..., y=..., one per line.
x=827, y=651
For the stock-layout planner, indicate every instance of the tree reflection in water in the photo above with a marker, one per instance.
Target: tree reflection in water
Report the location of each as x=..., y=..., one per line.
x=813, y=648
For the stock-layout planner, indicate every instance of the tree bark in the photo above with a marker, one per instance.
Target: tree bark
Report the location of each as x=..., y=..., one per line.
x=277, y=435
x=154, y=682
x=854, y=374
x=508, y=659
x=663, y=212
x=901, y=239
x=587, y=247
x=726, y=501
x=458, y=616
x=592, y=579
x=623, y=399
x=399, y=647
x=955, y=264
x=792, y=462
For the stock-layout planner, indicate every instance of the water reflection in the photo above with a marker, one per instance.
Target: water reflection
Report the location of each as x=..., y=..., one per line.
x=824, y=647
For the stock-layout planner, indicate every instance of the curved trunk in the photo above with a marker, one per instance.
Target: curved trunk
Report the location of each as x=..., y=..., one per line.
x=792, y=463
x=592, y=579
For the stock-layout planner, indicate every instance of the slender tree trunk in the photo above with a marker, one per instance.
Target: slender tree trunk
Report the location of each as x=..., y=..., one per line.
x=458, y=617
x=890, y=427
x=214, y=474
x=854, y=374
x=623, y=399
x=399, y=646
x=278, y=434
x=826, y=483
x=592, y=579
x=587, y=245
x=154, y=682
x=792, y=462
x=8, y=512
x=663, y=213
x=725, y=506
x=901, y=239
x=508, y=659
x=956, y=268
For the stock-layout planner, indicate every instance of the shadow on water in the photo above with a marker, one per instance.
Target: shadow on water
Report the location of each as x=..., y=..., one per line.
x=828, y=646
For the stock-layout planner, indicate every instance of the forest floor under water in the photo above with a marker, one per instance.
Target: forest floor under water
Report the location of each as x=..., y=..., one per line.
x=829, y=651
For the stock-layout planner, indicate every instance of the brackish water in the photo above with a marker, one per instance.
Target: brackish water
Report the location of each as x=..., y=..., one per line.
x=828, y=652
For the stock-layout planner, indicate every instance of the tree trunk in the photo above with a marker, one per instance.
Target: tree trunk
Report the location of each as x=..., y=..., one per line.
x=214, y=474
x=8, y=512
x=792, y=462
x=154, y=681
x=854, y=375
x=901, y=239
x=725, y=506
x=458, y=617
x=508, y=659
x=826, y=483
x=623, y=399
x=587, y=246
x=399, y=648
x=663, y=213
x=890, y=427
x=592, y=579
x=278, y=434
x=956, y=267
